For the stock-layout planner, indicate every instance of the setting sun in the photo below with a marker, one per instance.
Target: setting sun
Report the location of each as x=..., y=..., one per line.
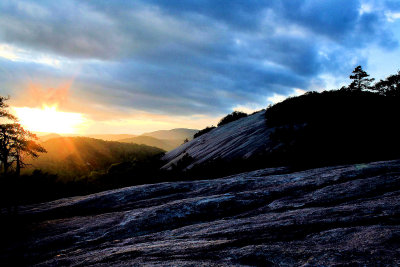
x=49, y=119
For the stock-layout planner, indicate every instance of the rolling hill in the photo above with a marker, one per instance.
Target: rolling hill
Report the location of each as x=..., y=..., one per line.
x=165, y=144
x=111, y=137
x=46, y=137
x=174, y=134
x=164, y=139
x=75, y=156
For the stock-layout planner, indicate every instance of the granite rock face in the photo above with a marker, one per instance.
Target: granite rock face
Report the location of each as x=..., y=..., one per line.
x=239, y=139
x=343, y=215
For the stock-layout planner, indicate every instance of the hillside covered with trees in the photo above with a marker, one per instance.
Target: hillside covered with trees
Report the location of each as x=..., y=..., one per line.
x=72, y=157
x=357, y=123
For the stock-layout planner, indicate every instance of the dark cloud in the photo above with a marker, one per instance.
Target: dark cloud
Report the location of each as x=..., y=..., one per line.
x=191, y=57
x=241, y=14
x=332, y=18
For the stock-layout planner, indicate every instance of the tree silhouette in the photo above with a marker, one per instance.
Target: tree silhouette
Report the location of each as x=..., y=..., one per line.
x=24, y=145
x=205, y=130
x=15, y=142
x=232, y=117
x=360, y=80
x=6, y=136
x=4, y=113
x=390, y=86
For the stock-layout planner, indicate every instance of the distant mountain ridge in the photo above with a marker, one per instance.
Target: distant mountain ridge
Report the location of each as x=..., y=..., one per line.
x=44, y=138
x=111, y=137
x=173, y=134
x=165, y=144
x=105, y=137
x=164, y=139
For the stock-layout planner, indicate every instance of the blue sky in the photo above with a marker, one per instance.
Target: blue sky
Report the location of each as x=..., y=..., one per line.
x=133, y=66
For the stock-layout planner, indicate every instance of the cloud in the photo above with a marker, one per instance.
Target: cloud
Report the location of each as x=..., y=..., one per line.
x=175, y=57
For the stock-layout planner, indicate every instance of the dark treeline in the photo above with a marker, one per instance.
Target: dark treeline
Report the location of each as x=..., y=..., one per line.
x=235, y=115
x=203, y=131
x=334, y=127
x=72, y=158
x=357, y=123
x=232, y=117
x=40, y=186
x=80, y=166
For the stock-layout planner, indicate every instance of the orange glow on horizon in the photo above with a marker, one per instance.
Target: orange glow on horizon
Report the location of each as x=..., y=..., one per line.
x=49, y=119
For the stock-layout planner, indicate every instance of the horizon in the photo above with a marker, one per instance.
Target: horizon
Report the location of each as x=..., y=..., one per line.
x=88, y=68
x=41, y=134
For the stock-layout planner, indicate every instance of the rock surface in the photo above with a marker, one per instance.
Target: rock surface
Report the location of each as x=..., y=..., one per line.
x=343, y=215
x=235, y=140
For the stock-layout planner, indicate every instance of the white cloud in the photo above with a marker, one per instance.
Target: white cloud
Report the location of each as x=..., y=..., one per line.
x=21, y=55
x=392, y=16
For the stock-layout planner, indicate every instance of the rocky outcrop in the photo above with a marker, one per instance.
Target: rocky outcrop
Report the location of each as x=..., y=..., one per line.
x=343, y=215
x=239, y=139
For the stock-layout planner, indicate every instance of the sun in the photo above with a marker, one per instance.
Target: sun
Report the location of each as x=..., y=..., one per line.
x=49, y=119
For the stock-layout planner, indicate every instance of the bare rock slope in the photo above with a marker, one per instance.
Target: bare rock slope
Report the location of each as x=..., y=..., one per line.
x=343, y=215
x=239, y=139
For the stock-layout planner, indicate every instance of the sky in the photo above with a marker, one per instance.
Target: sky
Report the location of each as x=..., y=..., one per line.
x=139, y=66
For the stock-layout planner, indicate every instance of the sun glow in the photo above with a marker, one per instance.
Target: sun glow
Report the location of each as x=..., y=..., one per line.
x=49, y=119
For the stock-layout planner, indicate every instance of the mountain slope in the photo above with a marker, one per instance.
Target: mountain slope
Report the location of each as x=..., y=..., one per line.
x=239, y=139
x=165, y=144
x=333, y=216
x=174, y=134
x=44, y=138
x=79, y=155
x=111, y=137
x=164, y=139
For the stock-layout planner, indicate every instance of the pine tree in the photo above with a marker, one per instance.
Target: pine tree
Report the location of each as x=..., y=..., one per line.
x=15, y=141
x=23, y=146
x=360, y=80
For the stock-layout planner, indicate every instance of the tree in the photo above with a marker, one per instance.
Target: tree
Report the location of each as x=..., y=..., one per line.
x=360, y=80
x=6, y=137
x=205, y=130
x=15, y=142
x=5, y=128
x=4, y=113
x=24, y=145
x=390, y=86
x=232, y=117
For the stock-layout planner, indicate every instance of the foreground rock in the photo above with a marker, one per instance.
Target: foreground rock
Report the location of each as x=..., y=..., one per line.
x=344, y=215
